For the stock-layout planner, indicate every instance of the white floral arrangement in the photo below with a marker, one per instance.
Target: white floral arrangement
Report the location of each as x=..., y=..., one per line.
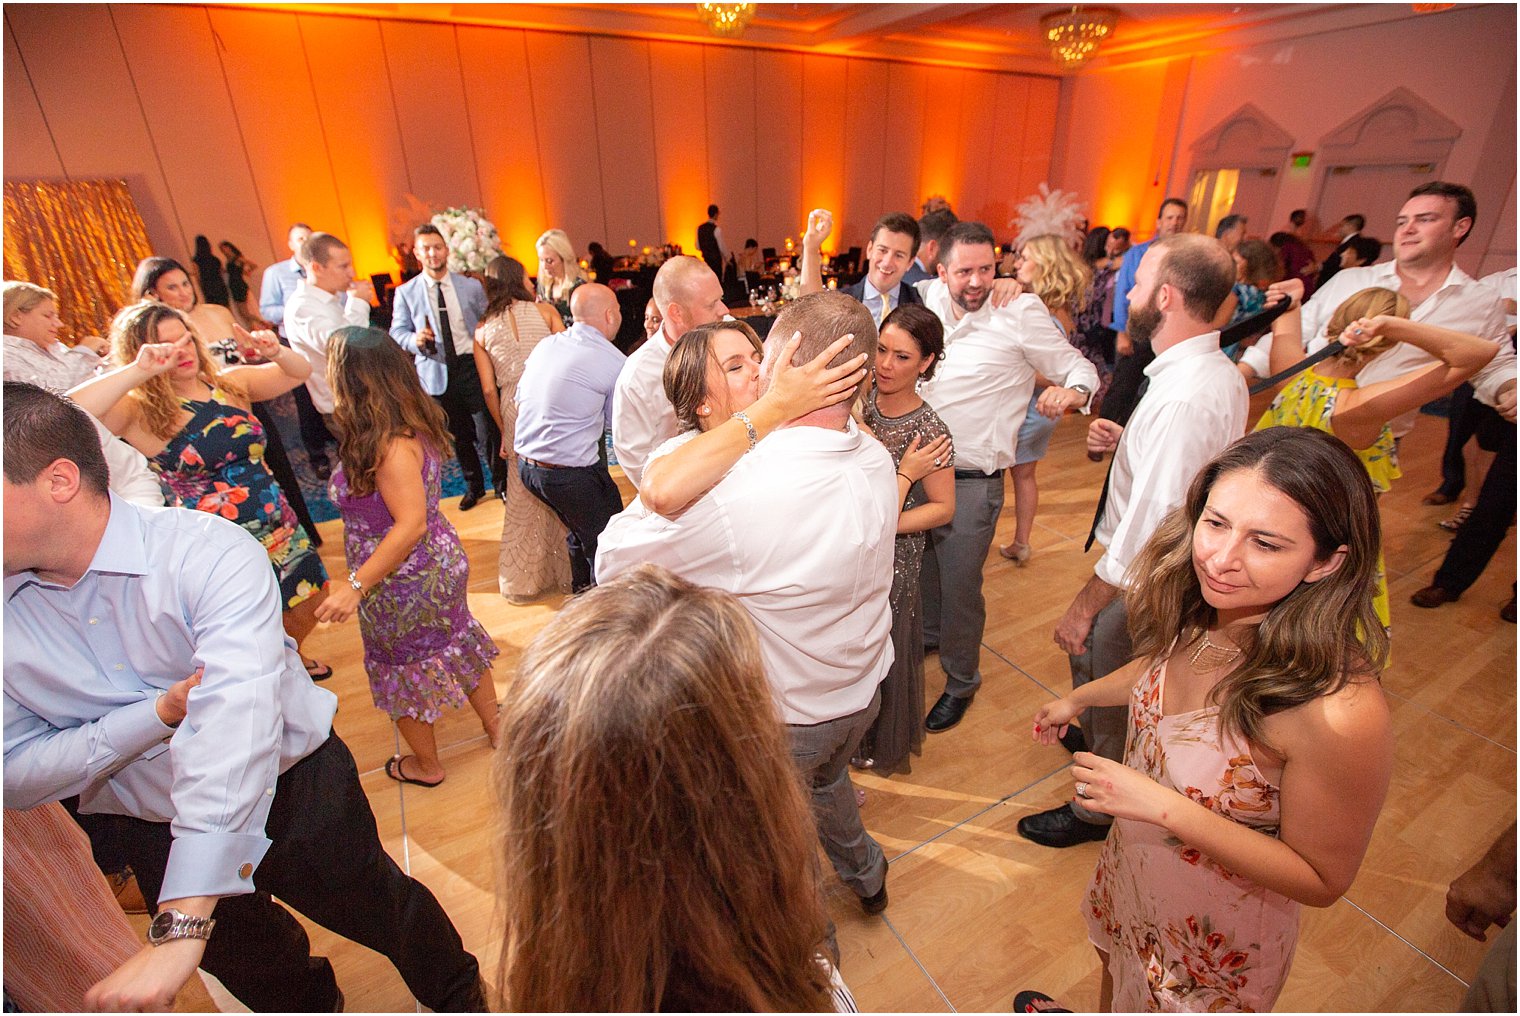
x=472, y=238
x=1053, y=212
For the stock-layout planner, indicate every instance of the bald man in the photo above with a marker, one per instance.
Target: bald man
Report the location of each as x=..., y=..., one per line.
x=564, y=403
x=687, y=294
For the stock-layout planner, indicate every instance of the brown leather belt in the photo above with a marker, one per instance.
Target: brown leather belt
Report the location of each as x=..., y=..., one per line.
x=543, y=465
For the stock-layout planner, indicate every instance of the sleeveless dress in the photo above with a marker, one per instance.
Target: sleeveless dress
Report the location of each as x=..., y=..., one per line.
x=423, y=650
x=216, y=464
x=532, y=561
x=898, y=731
x=1309, y=401
x=1182, y=933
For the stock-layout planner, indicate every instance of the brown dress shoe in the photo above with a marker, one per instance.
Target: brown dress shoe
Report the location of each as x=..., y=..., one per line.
x=1431, y=596
x=1437, y=497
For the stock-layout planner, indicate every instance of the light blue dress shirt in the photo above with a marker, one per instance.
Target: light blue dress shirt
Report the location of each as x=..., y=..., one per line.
x=168, y=592
x=1125, y=281
x=564, y=398
x=275, y=291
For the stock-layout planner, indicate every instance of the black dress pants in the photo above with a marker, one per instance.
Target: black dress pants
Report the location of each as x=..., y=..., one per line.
x=1124, y=389
x=314, y=433
x=284, y=474
x=471, y=425
x=585, y=498
x=325, y=861
x=1492, y=515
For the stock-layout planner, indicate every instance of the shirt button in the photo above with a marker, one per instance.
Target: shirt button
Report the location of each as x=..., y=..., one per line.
x=246, y=870
x=94, y=620
x=120, y=667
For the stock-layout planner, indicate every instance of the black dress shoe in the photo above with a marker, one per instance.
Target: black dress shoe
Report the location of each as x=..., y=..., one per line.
x=470, y=500
x=875, y=904
x=1060, y=827
x=947, y=712
x=1072, y=740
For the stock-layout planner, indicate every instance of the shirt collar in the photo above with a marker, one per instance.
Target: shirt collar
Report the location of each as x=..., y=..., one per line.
x=1187, y=349
x=120, y=552
x=870, y=290
x=17, y=344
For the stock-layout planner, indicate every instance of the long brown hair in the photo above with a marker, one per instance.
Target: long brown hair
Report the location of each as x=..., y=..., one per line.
x=506, y=283
x=158, y=404
x=655, y=849
x=377, y=398
x=1316, y=639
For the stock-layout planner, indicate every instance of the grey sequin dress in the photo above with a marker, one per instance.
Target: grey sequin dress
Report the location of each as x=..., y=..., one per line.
x=898, y=732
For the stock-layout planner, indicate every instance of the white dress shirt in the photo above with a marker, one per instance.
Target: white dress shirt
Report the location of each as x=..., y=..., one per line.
x=1195, y=407
x=168, y=591
x=877, y=302
x=642, y=417
x=1462, y=304
x=982, y=386
x=457, y=325
x=60, y=368
x=802, y=532
x=311, y=316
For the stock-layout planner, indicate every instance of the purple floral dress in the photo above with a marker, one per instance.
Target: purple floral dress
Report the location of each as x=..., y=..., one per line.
x=422, y=648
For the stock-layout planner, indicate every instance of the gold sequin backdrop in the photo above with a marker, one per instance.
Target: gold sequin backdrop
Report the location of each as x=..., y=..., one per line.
x=82, y=239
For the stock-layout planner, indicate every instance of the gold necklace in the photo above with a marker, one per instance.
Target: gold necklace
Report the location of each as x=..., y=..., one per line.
x=1222, y=654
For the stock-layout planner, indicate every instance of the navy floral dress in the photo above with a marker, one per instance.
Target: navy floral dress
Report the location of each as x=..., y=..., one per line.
x=216, y=464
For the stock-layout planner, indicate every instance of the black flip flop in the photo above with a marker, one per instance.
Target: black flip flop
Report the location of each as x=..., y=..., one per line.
x=322, y=673
x=393, y=770
x=1025, y=1001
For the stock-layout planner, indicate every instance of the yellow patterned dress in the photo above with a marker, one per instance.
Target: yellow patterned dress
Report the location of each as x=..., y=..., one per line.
x=1183, y=933
x=1309, y=401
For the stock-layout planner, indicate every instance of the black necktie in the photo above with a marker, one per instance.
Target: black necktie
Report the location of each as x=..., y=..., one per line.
x=445, y=330
x=1092, y=534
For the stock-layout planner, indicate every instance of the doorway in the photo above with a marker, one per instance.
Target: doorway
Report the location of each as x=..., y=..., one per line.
x=1376, y=191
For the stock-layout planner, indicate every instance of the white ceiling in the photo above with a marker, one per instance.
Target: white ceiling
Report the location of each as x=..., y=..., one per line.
x=994, y=36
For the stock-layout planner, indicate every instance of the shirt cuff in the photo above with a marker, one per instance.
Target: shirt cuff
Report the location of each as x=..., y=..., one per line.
x=131, y=730
x=1110, y=571
x=213, y=864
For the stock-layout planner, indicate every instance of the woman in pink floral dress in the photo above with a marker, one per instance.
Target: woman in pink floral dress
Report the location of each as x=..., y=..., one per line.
x=1259, y=749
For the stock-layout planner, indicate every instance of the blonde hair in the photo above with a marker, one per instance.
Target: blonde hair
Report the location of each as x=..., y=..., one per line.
x=1063, y=278
x=1369, y=302
x=158, y=405
x=558, y=241
x=22, y=297
x=655, y=851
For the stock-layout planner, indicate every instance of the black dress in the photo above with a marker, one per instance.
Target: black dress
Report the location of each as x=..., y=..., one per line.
x=213, y=286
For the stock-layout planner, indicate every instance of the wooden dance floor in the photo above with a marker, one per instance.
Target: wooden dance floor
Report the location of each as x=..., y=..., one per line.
x=976, y=912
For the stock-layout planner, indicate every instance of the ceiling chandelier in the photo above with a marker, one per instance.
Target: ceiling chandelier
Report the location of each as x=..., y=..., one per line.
x=1074, y=35
x=726, y=19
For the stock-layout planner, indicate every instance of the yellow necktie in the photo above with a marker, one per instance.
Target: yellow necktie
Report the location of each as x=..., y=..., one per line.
x=886, y=308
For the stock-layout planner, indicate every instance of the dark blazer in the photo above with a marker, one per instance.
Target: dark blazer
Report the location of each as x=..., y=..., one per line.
x=917, y=274
x=1333, y=260
x=905, y=292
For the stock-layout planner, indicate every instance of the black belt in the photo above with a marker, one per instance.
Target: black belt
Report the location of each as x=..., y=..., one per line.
x=544, y=465
x=976, y=474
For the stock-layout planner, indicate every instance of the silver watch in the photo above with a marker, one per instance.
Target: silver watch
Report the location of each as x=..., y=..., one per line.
x=1086, y=391
x=171, y=924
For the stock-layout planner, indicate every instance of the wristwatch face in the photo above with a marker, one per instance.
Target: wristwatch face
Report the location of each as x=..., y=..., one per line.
x=160, y=926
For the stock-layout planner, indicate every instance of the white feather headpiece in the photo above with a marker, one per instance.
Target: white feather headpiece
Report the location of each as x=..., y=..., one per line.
x=1056, y=212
